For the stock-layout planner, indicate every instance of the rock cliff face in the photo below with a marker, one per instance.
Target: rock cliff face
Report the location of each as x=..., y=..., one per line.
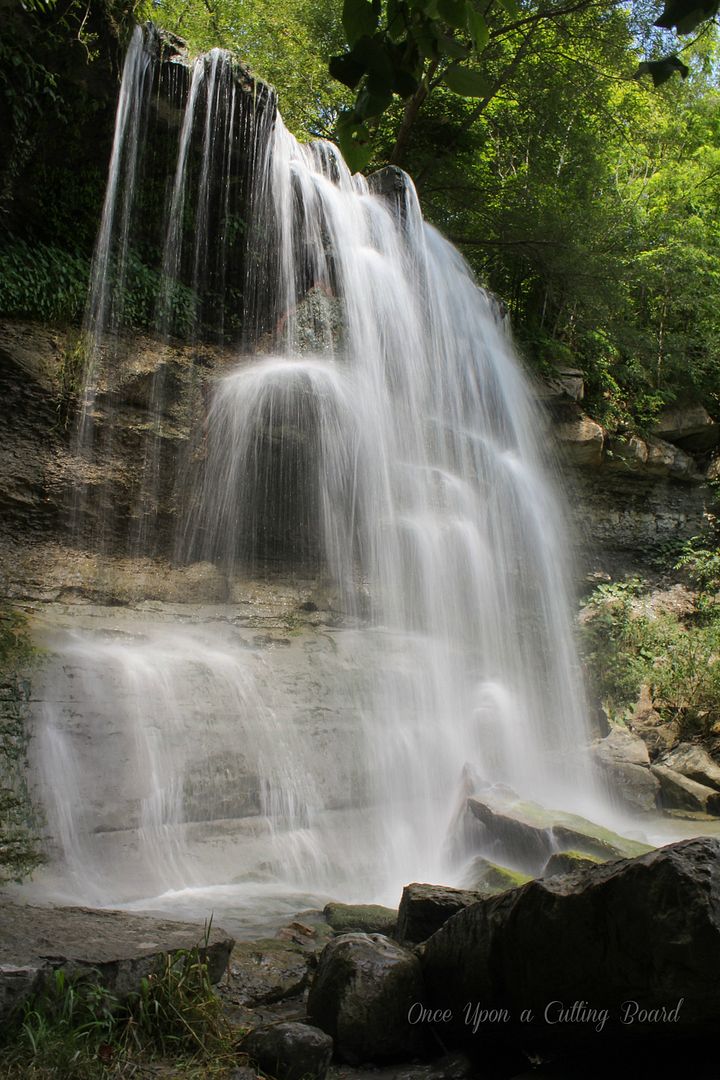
x=630, y=496
x=41, y=471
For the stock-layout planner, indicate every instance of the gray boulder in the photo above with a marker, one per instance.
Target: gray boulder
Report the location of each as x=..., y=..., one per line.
x=695, y=763
x=363, y=990
x=425, y=908
x=527, y=834
x=621, y=745
x=623, y=759
x=562, y=385
x=634, y=787
x=639, y=938
x=690, y=425
x=581, y=440
x=678, y=792
x=116, y=949
x=291, y=1051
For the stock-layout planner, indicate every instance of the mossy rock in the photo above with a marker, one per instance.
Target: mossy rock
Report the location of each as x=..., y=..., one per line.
x=365, y=918
x=490, y=879
x=527, y=834
x=565, y=862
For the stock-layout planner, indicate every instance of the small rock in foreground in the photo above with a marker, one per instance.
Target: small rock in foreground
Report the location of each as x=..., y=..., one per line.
x=361, y=918
x=292, y=1051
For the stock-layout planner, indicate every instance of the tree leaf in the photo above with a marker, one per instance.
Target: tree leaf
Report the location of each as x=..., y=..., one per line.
x=450, y=46
x=347, y=69
x=662, y=70
x=685, y=15
x=375, y=56
x=405, y=83
x=426, y=38
x=360, y=18
x=477, y=27
x=369, y=105
x=512, y=7
x=466, y=81
x=354, y=141
x=453, y=12
x=396, y=20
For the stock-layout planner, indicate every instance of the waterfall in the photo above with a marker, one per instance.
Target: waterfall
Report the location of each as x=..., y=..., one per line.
x=371, y=433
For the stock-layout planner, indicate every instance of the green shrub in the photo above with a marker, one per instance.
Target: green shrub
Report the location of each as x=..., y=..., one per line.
x=678, y=659
x=43, y=282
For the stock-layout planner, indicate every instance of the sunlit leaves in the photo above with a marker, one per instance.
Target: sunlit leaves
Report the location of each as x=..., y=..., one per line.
x=477, y=27
x=391, y=57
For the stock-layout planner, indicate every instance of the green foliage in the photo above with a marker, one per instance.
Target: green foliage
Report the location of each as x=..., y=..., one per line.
x=42, y=282
x=584, y=198
x=49, y=283
x=627, y=646
x=287, y=44
x=75, y=1029
x=177, y=1010
x=19, y=853
x=614, y=651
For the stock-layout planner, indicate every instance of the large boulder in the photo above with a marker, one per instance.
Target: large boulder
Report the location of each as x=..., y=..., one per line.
x=362, y=994
x=425, y=908
x=678, y=792
x=116, y=949
x=564, y=384
x=291, y=1051
x=633, y=945
x=488, y=878
x=627, y=454
x=623, y=759
x=567, y=862
x=526, y=834
x=622, y=745
x=689, y=425
x=581, y=440
x=666, y=460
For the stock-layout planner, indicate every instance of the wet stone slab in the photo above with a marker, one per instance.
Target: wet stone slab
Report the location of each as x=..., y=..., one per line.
x=113, y=947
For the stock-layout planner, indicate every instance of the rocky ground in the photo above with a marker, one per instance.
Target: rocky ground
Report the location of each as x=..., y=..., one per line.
x=587, y=962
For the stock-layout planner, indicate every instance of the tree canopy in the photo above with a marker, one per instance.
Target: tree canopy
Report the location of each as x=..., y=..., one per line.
x=581, y=192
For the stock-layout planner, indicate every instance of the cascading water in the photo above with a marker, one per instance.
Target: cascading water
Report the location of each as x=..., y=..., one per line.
x=374, y=435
